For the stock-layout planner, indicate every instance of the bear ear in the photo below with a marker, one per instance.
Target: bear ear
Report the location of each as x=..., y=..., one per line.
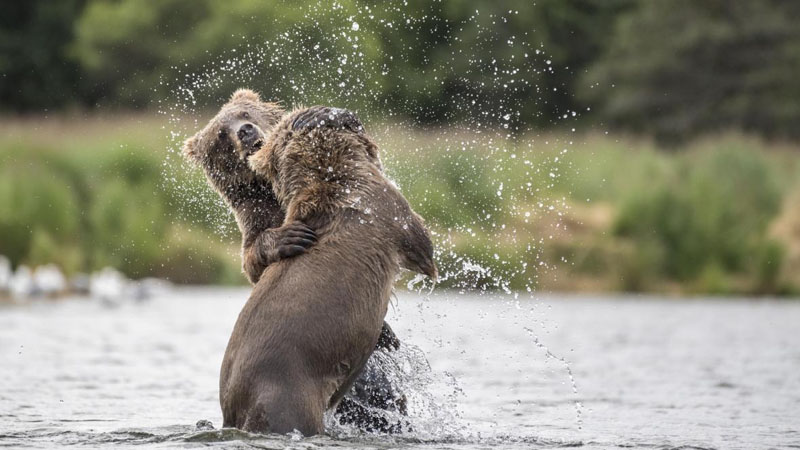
x=245, y=94
x=190, y=148
x=273, y=106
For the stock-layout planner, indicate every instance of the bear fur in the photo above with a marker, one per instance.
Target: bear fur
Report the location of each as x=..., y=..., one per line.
x=222, y=154
x=221, y=151
x=313, y=320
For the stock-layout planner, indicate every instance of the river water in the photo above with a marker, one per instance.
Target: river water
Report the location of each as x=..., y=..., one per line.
x=541, y=372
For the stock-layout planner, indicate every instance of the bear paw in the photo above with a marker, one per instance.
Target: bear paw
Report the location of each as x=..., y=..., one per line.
x=294, y=239
x=324, y=116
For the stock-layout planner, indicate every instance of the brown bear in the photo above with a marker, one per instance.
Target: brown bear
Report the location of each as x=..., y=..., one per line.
x=313, y=320
x=221, y=149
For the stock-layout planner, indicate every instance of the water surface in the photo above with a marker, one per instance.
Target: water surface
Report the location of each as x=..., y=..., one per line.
x=646, y=373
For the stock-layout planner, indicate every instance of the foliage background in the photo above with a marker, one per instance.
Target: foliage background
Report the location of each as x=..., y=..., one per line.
x=687, y=146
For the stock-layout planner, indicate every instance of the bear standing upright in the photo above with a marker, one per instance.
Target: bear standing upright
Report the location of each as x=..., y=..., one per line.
x=221, y=149
x=313, y=320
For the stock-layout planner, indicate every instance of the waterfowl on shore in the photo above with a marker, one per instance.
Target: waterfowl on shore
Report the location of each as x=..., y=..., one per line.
x=107, y=285
x=22, y=286
x=49, y=280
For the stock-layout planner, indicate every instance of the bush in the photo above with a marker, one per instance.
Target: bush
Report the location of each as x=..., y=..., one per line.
x=689, y=221
x=683, y=68
x=87, y=204
x=451, y=190
x=128, y=227
x=35, y=201
x=195, y=257
x=712, y=211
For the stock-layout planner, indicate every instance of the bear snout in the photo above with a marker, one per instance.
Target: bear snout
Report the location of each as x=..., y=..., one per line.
x=245, y=131
x=251, y=139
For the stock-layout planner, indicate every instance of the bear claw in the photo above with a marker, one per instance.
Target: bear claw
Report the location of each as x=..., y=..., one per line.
x=295, y=239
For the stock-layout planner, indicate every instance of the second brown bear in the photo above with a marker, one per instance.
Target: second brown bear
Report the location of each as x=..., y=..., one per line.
x=221, y=148
x=313, y=320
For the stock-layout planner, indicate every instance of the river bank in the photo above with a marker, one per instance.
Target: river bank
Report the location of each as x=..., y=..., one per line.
x=555, y=212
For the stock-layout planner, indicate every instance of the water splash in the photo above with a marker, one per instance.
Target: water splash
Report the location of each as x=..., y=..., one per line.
x=500, y=173
x=489, y=233
x=549, y=354
x=431, y=397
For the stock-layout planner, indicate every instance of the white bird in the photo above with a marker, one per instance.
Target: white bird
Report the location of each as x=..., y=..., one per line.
x=22, y=285
x=108, y=285
x=49, y=280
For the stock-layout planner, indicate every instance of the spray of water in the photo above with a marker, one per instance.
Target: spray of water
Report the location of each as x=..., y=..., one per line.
x=431, y=398
x=567, y=368
x=479, y=146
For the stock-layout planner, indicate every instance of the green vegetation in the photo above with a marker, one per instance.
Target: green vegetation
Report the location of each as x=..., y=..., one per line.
x=86, y=203
x=37, y=70
x=701, y=197
x=720, y=216
x=707, y=217
x=627, y=215
x=724, y=66
x=684, y=68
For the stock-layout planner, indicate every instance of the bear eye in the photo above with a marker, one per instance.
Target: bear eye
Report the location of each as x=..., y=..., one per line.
x=222, y=133
x=245, y=115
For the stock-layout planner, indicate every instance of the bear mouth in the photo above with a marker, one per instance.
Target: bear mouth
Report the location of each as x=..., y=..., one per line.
x=247, y=150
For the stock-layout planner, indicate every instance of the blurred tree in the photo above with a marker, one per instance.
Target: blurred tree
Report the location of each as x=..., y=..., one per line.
x=515, y=60
x=681, y=68
x=710, y=214
x=576, y=33
x=136, y=49
x=429, y=61
x=673, y=69
x=35, y=70
x=126, y=46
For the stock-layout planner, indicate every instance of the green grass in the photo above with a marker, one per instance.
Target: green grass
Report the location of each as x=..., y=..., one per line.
x=558, y=211
x=627, y=215
x=91, y=193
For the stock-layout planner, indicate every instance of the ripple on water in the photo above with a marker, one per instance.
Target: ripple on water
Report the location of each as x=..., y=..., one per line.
x=503, y=392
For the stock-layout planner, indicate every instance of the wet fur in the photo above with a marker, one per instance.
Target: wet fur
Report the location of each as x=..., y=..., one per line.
x=313, y=320
x=259, y=217
x=221, y=155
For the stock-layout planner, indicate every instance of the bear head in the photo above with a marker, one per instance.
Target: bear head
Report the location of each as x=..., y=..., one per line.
x=238, y=130
x=328, y=160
